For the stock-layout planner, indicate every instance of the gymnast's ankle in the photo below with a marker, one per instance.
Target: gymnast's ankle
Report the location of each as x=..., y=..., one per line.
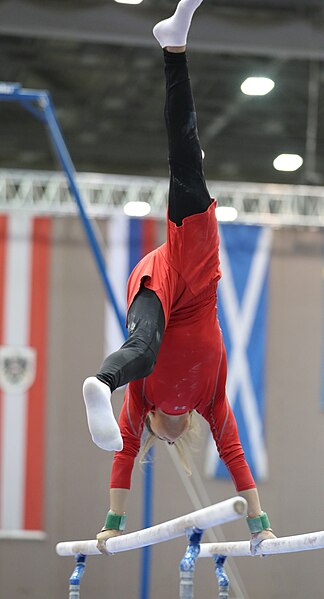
x=175, y=49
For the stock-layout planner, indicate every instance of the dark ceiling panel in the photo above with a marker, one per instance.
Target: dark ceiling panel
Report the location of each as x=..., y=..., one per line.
x=271, y=4
x=243, y=4
x=109, y=101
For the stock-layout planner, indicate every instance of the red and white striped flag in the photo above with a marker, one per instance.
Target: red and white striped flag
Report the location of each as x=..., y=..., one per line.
x=24, y=274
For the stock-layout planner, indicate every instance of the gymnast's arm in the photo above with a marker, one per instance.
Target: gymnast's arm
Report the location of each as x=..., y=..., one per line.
x=225, y=433
x=118, y=499
x=131, y=423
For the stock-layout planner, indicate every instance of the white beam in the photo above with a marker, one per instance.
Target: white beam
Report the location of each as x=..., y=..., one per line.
x=293, y=544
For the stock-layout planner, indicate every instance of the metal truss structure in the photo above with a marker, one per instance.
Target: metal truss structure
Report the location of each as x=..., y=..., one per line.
x=104, y=195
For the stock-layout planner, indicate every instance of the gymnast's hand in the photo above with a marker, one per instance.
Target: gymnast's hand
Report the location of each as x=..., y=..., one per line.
x=258, y=537
x=103, y=536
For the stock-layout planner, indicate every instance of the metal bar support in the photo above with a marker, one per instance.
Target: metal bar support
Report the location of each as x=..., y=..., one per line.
x=66, y=162
x=46, y=113
x=222, y=578
x=188, y=563
x=80, y=564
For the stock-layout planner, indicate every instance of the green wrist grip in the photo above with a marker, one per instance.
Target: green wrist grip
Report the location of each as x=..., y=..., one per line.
x=115, y=521
x=259, y=523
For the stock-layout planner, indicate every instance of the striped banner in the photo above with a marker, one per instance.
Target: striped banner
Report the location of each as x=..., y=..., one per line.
x=242, y=309
x=128, y=240
x=24, y=270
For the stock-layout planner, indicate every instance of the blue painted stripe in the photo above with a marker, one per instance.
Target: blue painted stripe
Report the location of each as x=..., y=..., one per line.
x=146, y=557
x=322, y=355
x=136, y=229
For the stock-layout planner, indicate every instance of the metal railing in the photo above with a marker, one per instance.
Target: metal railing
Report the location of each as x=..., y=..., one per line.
x=104, y=195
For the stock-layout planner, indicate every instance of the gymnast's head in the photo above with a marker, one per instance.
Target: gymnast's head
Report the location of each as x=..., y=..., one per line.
x=166, y=427
x=180, y=431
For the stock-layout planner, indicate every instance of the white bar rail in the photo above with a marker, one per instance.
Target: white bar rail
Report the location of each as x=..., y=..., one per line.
x=226, y=511
x=305, y=542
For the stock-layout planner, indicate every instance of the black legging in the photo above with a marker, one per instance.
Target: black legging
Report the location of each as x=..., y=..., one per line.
x=188, y=195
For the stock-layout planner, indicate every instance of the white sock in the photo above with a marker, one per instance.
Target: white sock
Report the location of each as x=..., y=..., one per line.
x=174, y=31
x=101, y=421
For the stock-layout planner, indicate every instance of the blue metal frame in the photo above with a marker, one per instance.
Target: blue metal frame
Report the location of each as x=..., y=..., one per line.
x=40, y=105
x=147, y=522
x=322, y=344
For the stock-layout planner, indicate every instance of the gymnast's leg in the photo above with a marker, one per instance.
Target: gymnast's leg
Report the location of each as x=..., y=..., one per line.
x=134, y=360
x=137, y=356
x=188, y=193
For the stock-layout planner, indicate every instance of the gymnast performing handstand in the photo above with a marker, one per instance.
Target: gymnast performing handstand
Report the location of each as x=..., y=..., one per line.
x=174, y=360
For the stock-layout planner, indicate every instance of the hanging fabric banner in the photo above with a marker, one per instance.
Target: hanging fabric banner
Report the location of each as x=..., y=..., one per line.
x=128, y=240
x=24, y=278
x=242, y=310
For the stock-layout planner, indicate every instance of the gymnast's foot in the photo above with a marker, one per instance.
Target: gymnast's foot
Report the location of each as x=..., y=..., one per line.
x=101, y=421
x=172, y=32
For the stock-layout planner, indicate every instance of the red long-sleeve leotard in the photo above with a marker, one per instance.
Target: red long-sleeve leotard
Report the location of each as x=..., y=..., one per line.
x=190, y=372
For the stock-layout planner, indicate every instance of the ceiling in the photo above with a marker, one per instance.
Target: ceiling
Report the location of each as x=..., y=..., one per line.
x=109, y=94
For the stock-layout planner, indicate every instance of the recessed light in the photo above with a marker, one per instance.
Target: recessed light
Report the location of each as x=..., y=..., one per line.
x=137, y=208
x=288, y=162
x=129, y=1
x=226, y=214
x=257, y=86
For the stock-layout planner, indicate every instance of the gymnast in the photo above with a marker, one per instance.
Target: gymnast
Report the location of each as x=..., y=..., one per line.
x=174, y=359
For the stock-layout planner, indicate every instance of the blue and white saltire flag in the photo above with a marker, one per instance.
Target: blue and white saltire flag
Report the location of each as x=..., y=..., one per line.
x=242, y=309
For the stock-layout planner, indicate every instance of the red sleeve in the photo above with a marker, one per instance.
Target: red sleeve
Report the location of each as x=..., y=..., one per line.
x=156, y=274
x=225, y=432
x=131, y=423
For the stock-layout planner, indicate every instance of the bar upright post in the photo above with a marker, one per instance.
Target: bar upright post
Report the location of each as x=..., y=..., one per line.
x=74, y=588
x=223, y=580
x=188, y=563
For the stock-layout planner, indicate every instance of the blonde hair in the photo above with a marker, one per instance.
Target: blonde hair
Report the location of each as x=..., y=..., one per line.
x=188, y=442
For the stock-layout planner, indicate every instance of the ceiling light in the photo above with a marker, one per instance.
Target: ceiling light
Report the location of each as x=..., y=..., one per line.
x=257, y=86
x=129, y=1
x=288, y=162
x=226, y=214
x=137, y=208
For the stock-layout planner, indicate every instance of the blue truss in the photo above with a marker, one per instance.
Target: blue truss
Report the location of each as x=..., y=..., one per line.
x=39, y=104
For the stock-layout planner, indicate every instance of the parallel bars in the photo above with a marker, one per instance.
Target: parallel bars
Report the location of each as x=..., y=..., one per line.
x=192, y=525
x=226, y=511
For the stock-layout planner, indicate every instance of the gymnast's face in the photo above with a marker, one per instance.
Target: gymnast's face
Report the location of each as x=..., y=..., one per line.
x=169, y=428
